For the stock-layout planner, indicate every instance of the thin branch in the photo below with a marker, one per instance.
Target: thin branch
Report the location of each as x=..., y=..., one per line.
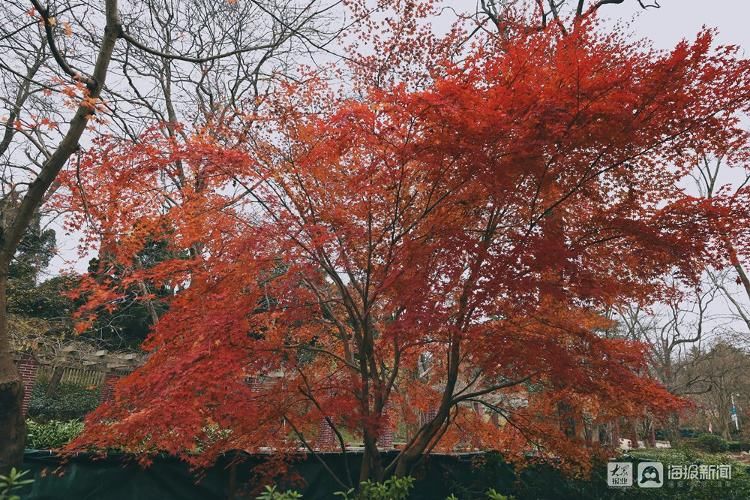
x=314, y=453
x=197, y=60
x=493, y=388
x=49, y=24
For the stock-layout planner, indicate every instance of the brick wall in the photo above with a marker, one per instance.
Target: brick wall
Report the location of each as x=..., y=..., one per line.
x=426, y=417
x=326, y=437
x=108, y=391
x=28, y=367
x=387, y=428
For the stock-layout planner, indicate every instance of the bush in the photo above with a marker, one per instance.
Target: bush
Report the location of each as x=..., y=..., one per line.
x=689, y=433
x=69, y=402
x=396, y=488
x=738, y=487
x=494, y=495
x=10, y=484
x=271, y=493
x=710, y=443
x=738, y=446
x=52, y=434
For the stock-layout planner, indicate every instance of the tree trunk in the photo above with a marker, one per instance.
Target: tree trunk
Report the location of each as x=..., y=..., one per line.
x=595, y=440
x=54, y=380
x=12, y=425
x=652, y=434
x=416, y=449
x=616, y=433
x=633, y=432
x=674, y=429
x=372, y=465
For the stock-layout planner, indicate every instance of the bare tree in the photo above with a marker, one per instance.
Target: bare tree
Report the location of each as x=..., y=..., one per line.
x=672, y=332
x=12, y=427
x=723, y=173
x=675, y=332
x=739, y=309
x=724, y=368
x=693, y=347
x=563, y=13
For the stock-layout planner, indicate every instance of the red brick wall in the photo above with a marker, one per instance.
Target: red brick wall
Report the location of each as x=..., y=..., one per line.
x=27, y=367
x=427, y=416
x=326, y=437
x=387, y=428
x=108, y=391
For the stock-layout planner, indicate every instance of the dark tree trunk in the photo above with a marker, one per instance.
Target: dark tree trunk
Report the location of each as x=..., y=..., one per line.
x=372, y=465
x=12, y=425
x=616, y=435
x=54, y=380
x=633, y=432
x=674, y=429
x=13, y=439
x=652, y=433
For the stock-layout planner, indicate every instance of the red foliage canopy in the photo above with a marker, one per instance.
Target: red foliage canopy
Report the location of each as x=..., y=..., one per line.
x=415, y=250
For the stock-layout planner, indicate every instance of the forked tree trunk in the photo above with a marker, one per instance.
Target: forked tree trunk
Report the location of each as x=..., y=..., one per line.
x=415, y=452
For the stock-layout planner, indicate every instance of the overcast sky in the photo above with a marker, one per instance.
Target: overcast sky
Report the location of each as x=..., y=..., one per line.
x=677, y=19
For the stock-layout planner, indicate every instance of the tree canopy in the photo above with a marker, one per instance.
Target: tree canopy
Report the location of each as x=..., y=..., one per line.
x=414, y=247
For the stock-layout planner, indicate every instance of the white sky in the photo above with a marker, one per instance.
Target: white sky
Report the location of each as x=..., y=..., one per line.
x=677, y=19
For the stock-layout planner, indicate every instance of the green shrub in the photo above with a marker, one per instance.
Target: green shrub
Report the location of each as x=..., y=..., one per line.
x=737, y=488
x=544, y=482
x=395, y=488
x=710, y=443
x=69, y=402
x=10, y=484
x=52, y=434
x=738, y=446
x=271, y=493
x=494, y=495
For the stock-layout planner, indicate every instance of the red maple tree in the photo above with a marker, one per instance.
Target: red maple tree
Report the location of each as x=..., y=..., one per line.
x=409, y=255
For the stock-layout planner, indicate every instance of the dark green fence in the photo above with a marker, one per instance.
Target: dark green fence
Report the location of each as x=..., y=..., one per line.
x=119, y=477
